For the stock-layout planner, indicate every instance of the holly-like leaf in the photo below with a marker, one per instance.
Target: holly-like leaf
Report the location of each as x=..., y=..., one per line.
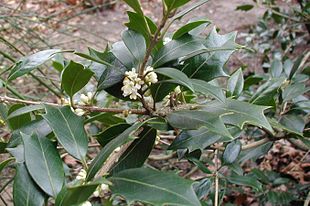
x=254, y=153
x=75, y=77
x=177, y=48
x=69, y=130
x=208, y=89
x=25, y=191
x=210, y=62
x=188, y=27
x=235, y=84
x=151, y=184
x=135, y=43
x=177, y=77
x=238, y=113
x=27, y=64
x=137, y=152
x=231, y=152
x=193, y=119
x=75, y=195
x=43, y=163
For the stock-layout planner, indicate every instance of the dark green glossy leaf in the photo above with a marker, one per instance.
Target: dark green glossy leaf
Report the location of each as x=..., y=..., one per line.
x=280, y=198
x=158, y=123
x=105, y=152
x=276, y=68
x=137, y=152
x=231, y=152
x=238, y=113
x=293, y=123
x=188, y=27
x=235, y=84
x=245, y=181
x=135, y=43
x=107, y=119
x=69, y=130
x=177, y=48
x=208, y=89
x=202, y=188
x=110, y=133
x=245, y=7
x=95, y=56
x=27, y=64
x=17, y=153
x=25, y=191
x=18, y=121
x=192, y=119
x=135, y=5
x=2, y=147
x=296, y=66
x=25, y=110
x=254, y=153
x=294, y=90
x=150, y=184
x=75, y=195
x=173, y=4
x=43, y=163
x=177, y=76
x=75, y=77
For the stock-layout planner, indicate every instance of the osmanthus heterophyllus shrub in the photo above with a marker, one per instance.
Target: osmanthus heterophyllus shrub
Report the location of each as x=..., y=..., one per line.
x=168, y=82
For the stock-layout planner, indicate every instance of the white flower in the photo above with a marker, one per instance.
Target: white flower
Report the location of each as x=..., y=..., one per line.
x=84, y=99
x=132, y=83
x=151, y=78
x=79, y=112
x=81, y=175
x=149, y=69
x=167, y=40
x=132, y=74
x=134, y=94
x=96, y=193
x=104, y=187
x=117, y=149
x=87, y=203
x=90, y=95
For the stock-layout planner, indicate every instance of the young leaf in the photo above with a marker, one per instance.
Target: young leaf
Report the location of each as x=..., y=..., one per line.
x=177, y=76
x=25, y=191
x=135, y=43
x=75, y=195
x=231, y=152
x=151, y=184
x=69, y=130
x=27, y=64
x=43, y=163
x=75, y=77
x=192, y=119
x=238, y=113
x=208, y=89
x=137, y=152
x=188, y=27
x=177, y=48
x=235, y=84
x=135, y=5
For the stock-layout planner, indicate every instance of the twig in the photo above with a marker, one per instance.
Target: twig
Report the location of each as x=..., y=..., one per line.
x=86, y=108
x=216, y=196
x=162, y=157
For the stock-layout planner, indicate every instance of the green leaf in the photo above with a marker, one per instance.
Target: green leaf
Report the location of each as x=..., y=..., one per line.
x=294, y=90
x=235, y=84
x=27, y=64
x=25, y=191
x=293, y=123
x=245, y=7
x=4, y=163
x=69, y=130
x=188, y=27
x=177, y=76
x=110, y=133
x=173, y=4
x=193, y=119
x=245, y=181
x=25, y=110
x=296, y=66
x=177, y=48
x=209, y=64
x=232, y=152
x=194, y=139
x=254, y=153
x=2, y=147
x=74, y=195
x=280, y=127
x=266, y=93
x=18, y=121
x=137, y=152
x=135, y=5
x=208, y=89
x=95, y=56
x=276, y=68
x=280, y=198
x=44, y=164
x=105, y=152
x=75, y=77
x=151, y=184
x=107, y=119
x=135, y=43
x=189, y=9
x=122, y=53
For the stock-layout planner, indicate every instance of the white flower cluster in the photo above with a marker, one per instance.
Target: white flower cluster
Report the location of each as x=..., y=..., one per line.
x=101, y=188
x=132, y=83
x=84, y=100
x=81, y=175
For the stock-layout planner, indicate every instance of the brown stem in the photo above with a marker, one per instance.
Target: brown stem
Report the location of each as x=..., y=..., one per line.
x=86, y=108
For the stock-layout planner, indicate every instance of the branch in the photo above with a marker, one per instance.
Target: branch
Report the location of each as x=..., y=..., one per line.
x=86, y=108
